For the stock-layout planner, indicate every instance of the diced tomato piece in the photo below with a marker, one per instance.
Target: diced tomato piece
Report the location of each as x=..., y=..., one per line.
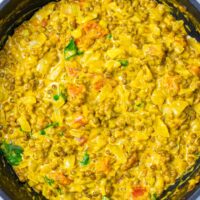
x=93, y=29
x=81, y=3
x=82, y=140
x=99, y=84
x=138, y=191
x=106, y=165
x=195, y=70
x=44, y=23
x=90, y=32
x=72, y=71
x=79, y=121
x=75, y=90
x=63, y=180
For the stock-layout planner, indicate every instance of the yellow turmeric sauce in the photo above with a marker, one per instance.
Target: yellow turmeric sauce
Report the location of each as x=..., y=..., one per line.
x=100, y=100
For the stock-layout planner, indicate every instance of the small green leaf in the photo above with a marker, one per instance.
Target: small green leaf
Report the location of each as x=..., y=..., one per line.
x=71, y=50
x=42, y=132
x=48, y=180
x=12, y=153
x=56, y=97
x=80, y=52
x=105, y=198
x=86, y=159
x=124, y=63
x=53, y=125
x=154, y=197
x=64, y=96
x=109, y=36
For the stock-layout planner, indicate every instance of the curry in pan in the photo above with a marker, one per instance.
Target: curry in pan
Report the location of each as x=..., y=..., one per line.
x=100, y=100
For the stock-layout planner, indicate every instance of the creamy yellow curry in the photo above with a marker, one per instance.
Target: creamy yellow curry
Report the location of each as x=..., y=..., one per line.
x=100, y=100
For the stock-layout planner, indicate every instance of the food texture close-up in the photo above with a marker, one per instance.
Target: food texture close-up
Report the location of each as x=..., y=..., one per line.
x=100, y=100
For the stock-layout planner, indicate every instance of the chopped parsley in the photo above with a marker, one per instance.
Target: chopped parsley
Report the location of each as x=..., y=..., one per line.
x=124, y=63
x=57, y=97
x=71, y=50
x=42, y=132
x=52, y=125
x=109, y=36
x=154, y=197
x=86, y=159
x=48, y=180
x=12, y=153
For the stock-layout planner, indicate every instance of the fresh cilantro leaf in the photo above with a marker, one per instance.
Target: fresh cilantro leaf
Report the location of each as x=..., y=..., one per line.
x=56, y=97
x=124, y=63
x=86, y=159
x=12, y=153
x=109, y=36
x=154, y=197
x=48, y=180
x=54, y=124
x=71, y=50
x=42, y=132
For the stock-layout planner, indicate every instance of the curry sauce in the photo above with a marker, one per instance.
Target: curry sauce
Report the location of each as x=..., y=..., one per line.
x=100, y=100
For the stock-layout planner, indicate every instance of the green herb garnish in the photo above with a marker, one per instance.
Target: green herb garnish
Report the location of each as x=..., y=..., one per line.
x=56, y=97
x=105, y=198
x=80, y=52
x=109, y=36
x=42, y=132
x=48, y=180
x=124, y=63
x=86, y=159
x=12, y=153
x=154, y=197
x=52, y=125
x=71, y=50
x=64, y=96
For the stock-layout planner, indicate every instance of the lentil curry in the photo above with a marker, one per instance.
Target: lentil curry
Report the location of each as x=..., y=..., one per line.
x=100, y=100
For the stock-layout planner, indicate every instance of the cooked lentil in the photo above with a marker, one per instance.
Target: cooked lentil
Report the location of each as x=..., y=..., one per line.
x=100, y=100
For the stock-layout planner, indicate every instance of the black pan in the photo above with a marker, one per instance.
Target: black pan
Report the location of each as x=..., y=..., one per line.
x=13, y=13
